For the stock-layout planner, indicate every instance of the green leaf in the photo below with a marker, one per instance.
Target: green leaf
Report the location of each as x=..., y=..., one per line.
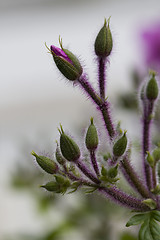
x=144, y=233
x=155, y=229
x=90, y=190
x=156, y=215
x=150, y=230
x=136, y=219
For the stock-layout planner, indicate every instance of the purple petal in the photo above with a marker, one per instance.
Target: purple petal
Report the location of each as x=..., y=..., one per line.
x=59, y=52
x=151, y=45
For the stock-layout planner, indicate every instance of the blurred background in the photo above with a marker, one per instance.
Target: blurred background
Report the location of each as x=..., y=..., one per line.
x=35, y=99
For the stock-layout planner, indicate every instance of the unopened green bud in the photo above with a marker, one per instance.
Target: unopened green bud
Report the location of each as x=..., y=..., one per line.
x=92, y=137
x=156, y=190
x=69, y=148
x=103, y=43
x=120, y=146
x=156, y=154
x=113, y=171
x=60, y=159
x=150, y=203
x=150, y=159
x=152, y=89
x=46, y=163
x=106, y=156
x=51, y=187
x=104, y=171
x=60, y=186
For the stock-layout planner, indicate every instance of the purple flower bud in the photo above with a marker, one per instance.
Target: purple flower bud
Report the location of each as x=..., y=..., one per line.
x=59, y=52
x=67, y=62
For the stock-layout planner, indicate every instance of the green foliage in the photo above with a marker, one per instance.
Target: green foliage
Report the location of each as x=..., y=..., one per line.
x=109, y=175
x=150, y=229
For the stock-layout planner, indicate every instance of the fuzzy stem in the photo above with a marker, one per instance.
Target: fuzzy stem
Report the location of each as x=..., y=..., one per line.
x=101, y=72
x=81, y=180
x=102, y=106
x=89, y=89
x=124, y=199
x=148, y=109
x=154, y=179
x=94, y=162
x=133, y=179
x=87, y=172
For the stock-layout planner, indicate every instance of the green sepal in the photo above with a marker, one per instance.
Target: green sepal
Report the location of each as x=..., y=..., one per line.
x=91, y=190
x=75, y=185
x=109, y=176
x=136, y=220
x=113, y=171
x=150, y=159
x=74, y=60
x=66, y=68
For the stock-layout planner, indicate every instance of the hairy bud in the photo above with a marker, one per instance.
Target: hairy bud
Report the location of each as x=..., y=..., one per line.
x=92, y=137
x=46, y=163
x=103, y=43
x=69, y=148
x=67, y=62
x=152, y=89
x=120, y=146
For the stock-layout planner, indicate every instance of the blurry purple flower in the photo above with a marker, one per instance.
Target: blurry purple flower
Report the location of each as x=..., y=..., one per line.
x=151, y=45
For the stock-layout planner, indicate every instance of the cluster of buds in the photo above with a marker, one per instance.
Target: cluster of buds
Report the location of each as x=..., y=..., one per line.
x=68, y=153
x=73, y=169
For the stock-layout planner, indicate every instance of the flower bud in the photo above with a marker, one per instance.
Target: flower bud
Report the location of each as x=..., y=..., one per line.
x=67, y=62
x=69, y=148
x=156, y=190
x=60, y=186
x=104, y=171
x=150, y=203
x=103, y=43
x=51, y=187
x=92, y=137
x=152, y=88
x=150, y=159
x=60, y=159
x=156, y=154
x=120, y=146
x=46, y=163
x=113, y=171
